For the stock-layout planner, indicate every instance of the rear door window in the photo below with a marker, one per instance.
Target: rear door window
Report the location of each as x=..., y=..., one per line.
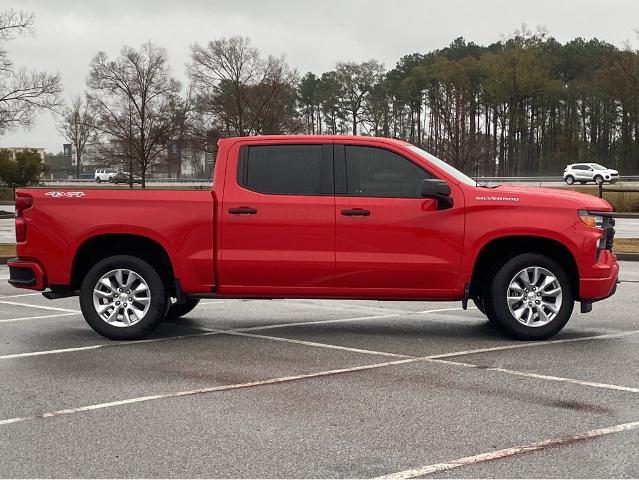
x=282, y=169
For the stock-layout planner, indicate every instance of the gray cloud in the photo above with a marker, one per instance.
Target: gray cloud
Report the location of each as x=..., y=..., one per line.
x=312, y=35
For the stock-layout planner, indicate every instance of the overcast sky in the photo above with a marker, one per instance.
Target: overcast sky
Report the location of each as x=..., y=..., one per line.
x=313, y=35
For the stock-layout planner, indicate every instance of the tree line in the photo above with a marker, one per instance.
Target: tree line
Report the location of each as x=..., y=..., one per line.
x=523, y=105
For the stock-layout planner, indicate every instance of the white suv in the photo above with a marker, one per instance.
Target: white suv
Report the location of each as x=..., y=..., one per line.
x=104, y=174
x=589, y=172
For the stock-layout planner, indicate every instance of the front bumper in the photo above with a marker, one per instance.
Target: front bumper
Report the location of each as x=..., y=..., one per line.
x=604, y=284
x=26, y=274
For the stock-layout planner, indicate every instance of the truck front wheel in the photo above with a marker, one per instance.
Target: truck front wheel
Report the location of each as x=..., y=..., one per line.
x=530, y=297
x=123, y=298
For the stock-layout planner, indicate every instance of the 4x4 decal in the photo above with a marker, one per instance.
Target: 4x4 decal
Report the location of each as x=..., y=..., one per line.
x=65, y=194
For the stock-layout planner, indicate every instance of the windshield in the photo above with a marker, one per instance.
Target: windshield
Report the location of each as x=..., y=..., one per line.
x=443, y=165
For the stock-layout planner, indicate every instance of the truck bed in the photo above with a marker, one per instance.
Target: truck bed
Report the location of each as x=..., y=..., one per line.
x=181, y=221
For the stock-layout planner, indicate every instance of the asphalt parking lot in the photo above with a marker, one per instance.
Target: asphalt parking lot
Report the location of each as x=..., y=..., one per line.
x=301, y=388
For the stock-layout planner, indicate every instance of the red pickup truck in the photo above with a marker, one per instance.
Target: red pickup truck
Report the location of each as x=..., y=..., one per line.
x=318, y=217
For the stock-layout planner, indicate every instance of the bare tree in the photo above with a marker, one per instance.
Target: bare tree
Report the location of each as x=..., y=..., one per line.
x=22, y=93
x=272, y=100
x=78, y=127
x=221, y=70
x=241, y=93
x=135, y=102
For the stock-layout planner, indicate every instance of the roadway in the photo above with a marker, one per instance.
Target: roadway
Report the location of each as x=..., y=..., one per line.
x=318, y=389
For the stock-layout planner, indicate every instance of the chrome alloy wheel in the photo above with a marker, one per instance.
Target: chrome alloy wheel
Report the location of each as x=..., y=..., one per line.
x=121, y=297
x=534, y=296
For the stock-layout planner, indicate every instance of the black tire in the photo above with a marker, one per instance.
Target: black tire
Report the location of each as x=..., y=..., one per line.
x=180, y=309
x=598, y=180
x=98, y=180
x=570, y=179
x=497, y=305
x=157, y=305
x=479, y=303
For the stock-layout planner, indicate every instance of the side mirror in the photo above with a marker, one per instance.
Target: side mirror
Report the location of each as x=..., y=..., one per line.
x=439, y=190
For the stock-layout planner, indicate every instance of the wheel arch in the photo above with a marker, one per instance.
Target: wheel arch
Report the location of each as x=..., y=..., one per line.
x=98, y=247
x=496, y=251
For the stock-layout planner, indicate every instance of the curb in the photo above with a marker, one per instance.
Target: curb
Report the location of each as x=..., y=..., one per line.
x=628, y=257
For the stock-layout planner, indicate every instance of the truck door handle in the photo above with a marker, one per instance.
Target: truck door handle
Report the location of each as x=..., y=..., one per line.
x=353, y=212
x=243, y=211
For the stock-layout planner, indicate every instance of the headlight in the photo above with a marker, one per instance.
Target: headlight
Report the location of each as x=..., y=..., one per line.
x=590, y=219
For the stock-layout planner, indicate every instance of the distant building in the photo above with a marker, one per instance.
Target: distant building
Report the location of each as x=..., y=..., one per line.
x=15, y=150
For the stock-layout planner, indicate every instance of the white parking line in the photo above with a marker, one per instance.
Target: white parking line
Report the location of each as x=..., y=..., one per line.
x=540, y=376
x=103, y=345
x=8, y=320
x=39, y=306
x=207, y=331
x=438, y=358
x=343, y=306
x=20, y=295
x=199, y=391
x=537, y=344
x=316, y=344
x=509, y=452
x=260, y=382
x=340, y=320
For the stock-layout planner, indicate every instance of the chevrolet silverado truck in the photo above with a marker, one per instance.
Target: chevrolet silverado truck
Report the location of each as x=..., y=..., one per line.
x=339, y=217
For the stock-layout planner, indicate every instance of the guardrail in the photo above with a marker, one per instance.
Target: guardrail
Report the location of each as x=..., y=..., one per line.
x=603, y=190
x=148, y=180
x=207, y=180
x=530, y=179
x=541, y=179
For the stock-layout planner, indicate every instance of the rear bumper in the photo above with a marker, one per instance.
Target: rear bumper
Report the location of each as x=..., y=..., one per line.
x=604, y=284
x=26, y=274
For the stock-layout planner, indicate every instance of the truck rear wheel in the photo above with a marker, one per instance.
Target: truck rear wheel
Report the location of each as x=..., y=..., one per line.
x=180, y=309
x=530, y=297
x=123, y=298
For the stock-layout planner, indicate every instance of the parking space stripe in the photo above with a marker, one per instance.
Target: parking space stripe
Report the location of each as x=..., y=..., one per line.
x=537, y=344
x=340, y=320
x=39, y=317
x=270, y=381
x=540, y=376
x=509, y=452
x=21, y=295
x=260, y=382
x=55, y=309
x=316, y=344
x=104, y=345
x=439, y=358
x=48, y=352
x=346, y=308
